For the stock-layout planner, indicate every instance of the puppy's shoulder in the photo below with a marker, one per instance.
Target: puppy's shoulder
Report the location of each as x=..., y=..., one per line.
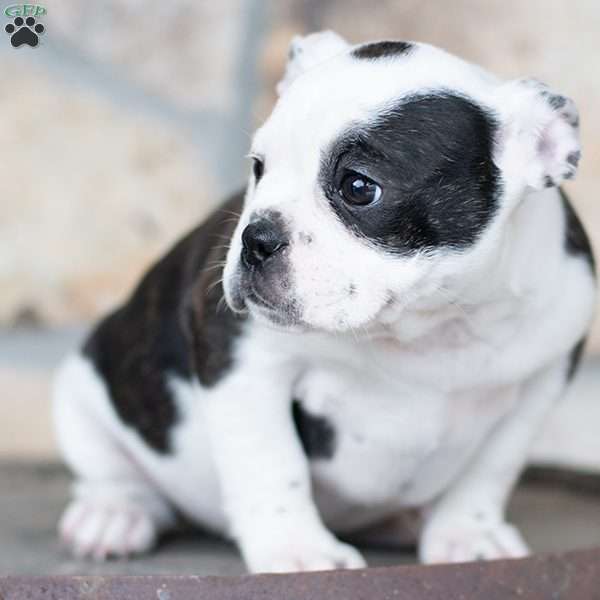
x=174, y=324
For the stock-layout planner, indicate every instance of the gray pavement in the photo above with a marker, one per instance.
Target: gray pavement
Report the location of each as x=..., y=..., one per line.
x=32, y=496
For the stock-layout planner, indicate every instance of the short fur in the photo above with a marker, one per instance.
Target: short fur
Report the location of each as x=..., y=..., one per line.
x=398, y=355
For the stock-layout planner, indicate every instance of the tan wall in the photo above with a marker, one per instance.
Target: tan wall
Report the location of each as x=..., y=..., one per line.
x=131, y=120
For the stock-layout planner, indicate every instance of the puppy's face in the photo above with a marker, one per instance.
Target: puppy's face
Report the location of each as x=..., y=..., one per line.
x=384, y=171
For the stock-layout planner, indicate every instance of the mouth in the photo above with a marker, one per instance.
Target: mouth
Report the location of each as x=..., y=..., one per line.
x=254, y=298
x=264, y=311
x=246, y=298
x=265, y=296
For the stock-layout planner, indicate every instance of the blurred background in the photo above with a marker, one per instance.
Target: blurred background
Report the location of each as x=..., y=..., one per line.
x=131, y=120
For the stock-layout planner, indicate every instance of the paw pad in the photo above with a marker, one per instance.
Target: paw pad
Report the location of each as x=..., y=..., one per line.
x=24, y=32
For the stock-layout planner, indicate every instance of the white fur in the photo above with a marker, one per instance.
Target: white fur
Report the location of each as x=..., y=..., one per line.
x=435, y=396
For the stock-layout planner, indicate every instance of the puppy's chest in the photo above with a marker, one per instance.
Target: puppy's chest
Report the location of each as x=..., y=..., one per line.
x=398, y=438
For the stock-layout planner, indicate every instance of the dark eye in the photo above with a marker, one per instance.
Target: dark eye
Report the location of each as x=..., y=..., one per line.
x=258, y=168
x=359, y=190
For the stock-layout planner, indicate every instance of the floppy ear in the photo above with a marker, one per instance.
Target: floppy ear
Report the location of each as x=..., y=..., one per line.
x=539, y=138
x=307, y=52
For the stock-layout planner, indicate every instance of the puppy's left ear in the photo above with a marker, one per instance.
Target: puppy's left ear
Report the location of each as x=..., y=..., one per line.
x=539, y=139
x=307, y=52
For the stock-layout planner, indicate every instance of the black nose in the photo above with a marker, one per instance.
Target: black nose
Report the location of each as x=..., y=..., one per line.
x=261, y=240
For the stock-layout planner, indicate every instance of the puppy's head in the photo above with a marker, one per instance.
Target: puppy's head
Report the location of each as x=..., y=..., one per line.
x=384, y=170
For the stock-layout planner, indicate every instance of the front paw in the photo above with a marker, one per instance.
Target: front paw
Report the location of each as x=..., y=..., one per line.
x=299, y=553
x=464, y=540
x=100, y=530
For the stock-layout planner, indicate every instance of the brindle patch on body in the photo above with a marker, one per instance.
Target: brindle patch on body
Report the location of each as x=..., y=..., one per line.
x=173, y=324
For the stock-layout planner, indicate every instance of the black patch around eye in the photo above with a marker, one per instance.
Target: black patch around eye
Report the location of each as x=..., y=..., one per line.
x=258, y=168
x=382, y=49
x=433, y=157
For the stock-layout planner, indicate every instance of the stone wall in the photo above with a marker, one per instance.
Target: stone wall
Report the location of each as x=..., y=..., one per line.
x=132, y=118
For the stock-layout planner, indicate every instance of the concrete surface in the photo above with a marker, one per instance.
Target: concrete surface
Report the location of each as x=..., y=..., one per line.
x=33, y=495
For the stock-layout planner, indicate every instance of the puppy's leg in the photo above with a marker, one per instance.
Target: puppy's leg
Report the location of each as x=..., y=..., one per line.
x=265, y=478
x=115, y=510
x=468, y=522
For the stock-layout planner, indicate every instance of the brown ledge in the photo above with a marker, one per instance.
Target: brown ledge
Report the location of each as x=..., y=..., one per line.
x=569, y=576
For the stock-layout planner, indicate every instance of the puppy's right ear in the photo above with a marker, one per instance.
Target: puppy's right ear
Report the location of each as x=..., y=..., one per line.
x=307, y=52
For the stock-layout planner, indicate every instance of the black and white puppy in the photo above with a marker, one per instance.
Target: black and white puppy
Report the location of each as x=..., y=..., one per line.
x=407, y=291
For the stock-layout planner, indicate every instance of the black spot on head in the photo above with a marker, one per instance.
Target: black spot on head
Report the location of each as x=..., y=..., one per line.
x=432, y=155
x=382, y=49
x=316, y=433
x=548, y=181
x=577, y=242
x=352, y=290
x=575, y=358
x=171, y=325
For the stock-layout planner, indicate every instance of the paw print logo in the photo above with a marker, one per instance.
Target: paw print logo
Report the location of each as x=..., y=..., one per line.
x=24, y=31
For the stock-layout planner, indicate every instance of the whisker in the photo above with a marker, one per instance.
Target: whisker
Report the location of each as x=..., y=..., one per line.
x=212, y=268
x=230, y=220
x=221, y=304
x=213, y=285
x=231, y=212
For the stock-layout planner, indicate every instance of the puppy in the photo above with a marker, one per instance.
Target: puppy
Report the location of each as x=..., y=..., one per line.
x=404, y=297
